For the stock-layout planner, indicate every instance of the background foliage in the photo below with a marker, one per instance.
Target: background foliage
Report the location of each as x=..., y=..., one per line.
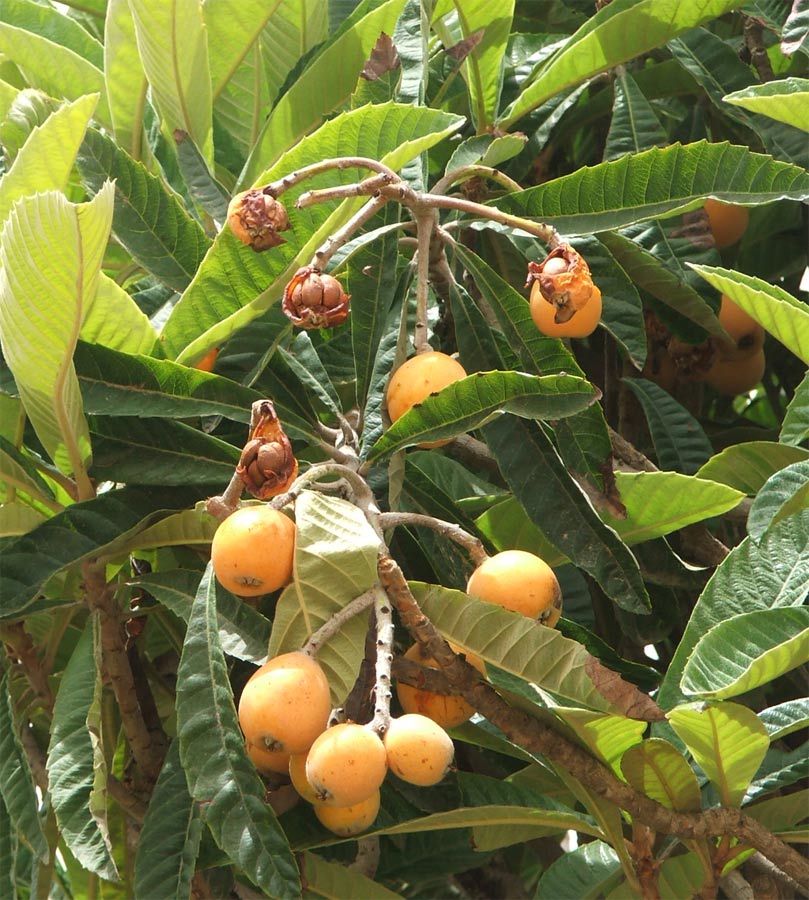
x=126, y=126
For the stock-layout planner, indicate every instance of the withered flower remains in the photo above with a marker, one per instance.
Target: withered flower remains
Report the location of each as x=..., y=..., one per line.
x=314, y=300
x=267, y=465
x=256, y=217
x=564, y=281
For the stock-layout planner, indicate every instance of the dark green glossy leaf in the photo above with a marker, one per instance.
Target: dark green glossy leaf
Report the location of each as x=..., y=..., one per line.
x=466, y=404
x=87, y=529
x=149, y=221
x=169, y=840
x=650, y=184
x=123, y=384
x=212, y=752
x=202, y=185
x=634, y=125
x=585, y=873
x=795, y=427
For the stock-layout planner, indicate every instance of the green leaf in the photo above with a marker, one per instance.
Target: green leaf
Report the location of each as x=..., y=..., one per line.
x=786, y=492
x=586, y=873
x=51, y=254
x=335, y=561
x=8, y=854
x=679, y=441
x=169, y=840
x=58, y=70
x=780, y=813
x=780, y=769
x=508, y=527
x=648, y=271
x=656, y=182
x=728, y=742
x=54, y=25
x=562, y=511
x=16, y=519
x=129, y=384
x=747, y=651
x=19, y=472
x=173, y=48
x=325, y=84
x=468, y=403
x=124, y=78
x=45, y=160
x=749, y=466
x=191, y=526
x=17, y=791
x=212, y=752
x=76, y=769
x=786, y=318
x=616, y=33
x=203, y=186
x=786, y=717
x=608, y=737
x=657, y=769
x=634, y=125
x=91, y=528
x=114, y=320
x=149, y=220
x=482, y=67
x=512, y=642
x=243, y=631
x=785, y=100
x=333, y=880
x=796, y=33
x=214, y=305
x=658, y=503
x=768, y=574
x=795, y=427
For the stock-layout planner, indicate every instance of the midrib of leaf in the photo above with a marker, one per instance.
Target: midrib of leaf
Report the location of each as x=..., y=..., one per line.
x=472, y=65
x=181, y=94
x=723, y=786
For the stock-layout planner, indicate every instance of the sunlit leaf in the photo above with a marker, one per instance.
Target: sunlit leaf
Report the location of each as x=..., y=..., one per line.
x=607, y=736
x=332, y=880
x=114, y=320
x=748, y=466
x=124, y=77
x=785, y=100
x=795, y=427
x=656, y=768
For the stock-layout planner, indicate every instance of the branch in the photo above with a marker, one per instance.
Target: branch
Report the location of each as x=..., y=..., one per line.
x=450, y=530
x=536, y=737
x=22, y=647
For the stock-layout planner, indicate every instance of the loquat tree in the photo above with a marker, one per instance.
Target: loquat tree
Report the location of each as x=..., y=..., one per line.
x=404, y=449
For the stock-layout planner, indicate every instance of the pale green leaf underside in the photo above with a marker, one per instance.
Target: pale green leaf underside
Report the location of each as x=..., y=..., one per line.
x=173, y=48
x=55, y=69
x=786, y=717
x=658, y=503
x=467, y=403
x=512, y=642
x=656, y=768
x=114, y=320
x=620, y=31
x=784, y=317
x=727, y=740
x=124, y=77
x=51, y=253
x=747, y=651
x=71, y=755
x=335, y=561
x=46, y=159
x=786, y=100
x=795, y=427
x=784, y=493
x=748, y=466
x=17, y=519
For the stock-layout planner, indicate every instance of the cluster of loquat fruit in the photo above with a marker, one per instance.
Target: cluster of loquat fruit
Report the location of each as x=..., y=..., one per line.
x=285, y=707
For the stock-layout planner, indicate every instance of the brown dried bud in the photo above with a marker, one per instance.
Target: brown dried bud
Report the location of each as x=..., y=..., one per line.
x=315, y=300
x=255, y=218
x=564, y=281
x=692, y=361
x=267, y=465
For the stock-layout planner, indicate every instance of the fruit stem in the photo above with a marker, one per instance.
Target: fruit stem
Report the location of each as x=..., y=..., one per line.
x=333, y=624
x=276, y=188
x=469, y=542
x=384, y=659
x=325, y=252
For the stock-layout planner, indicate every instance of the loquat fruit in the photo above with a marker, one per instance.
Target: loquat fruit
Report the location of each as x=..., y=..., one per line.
x=727, y=220
x=521, y=582
x=252, y=551
x=419, y=750
x=297, y=774
x=582, y=323
x=747, y=335
x=207, y=362
x=346, y=764
x=447, y=710
x=285, y=704
x=736, y=376
x=349, y=820
x=268, y=762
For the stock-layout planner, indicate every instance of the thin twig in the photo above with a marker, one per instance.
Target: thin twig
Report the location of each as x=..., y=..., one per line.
x=450, y=530
x=334, y=623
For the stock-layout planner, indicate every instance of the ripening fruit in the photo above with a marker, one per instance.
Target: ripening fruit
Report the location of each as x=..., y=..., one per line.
x=286, y=704
x=268, y=762
x=416, y=379
x=419, y=750
x=252, y=551
x=519, y=581
x=448, y=710
x=736, y=376
x=747, y=335
x=297, y=774
x=727, y=220
x=581, y=324
x=346, y=764
x=206, y=364
x=349, y=820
